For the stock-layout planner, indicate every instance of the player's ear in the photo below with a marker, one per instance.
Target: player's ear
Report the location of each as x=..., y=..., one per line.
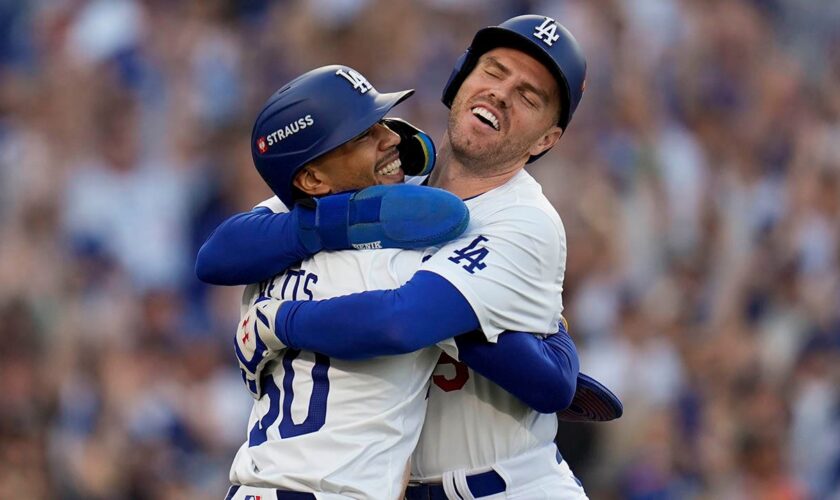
x=547, y=141
x=311, y=181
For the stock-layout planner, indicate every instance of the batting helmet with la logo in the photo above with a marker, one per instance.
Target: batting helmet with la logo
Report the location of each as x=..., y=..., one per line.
x=540, y=37
x=311, y=116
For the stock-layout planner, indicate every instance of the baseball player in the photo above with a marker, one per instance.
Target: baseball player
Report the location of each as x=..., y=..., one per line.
x=511, y=95
x=365, y=416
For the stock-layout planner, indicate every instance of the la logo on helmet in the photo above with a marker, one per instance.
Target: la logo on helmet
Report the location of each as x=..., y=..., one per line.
x=547, y=31
x=356, y=79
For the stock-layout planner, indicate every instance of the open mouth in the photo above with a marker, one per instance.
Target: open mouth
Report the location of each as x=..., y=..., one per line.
x=390, y=168
x=486, y=116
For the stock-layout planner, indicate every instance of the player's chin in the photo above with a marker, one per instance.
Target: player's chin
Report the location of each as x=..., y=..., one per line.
x=479, y=140
x=475, y=135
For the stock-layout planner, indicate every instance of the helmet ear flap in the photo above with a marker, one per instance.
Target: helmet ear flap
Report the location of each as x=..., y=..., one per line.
x=463, y=66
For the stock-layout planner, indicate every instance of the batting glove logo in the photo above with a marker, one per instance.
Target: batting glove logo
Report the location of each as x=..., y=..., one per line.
x=247, y=342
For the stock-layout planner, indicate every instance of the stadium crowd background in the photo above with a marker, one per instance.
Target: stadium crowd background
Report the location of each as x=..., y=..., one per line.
x=699, y=185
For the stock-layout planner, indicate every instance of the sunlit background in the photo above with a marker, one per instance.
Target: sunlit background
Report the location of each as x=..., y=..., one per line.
x=699, y=184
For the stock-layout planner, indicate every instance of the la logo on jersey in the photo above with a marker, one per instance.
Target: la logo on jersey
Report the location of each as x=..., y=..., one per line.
x=547, y=31
x=474, y=256
x=356, y=79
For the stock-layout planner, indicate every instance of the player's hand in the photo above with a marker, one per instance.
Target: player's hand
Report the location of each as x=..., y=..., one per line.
x=417, y=151
x=256, y=343
x=395, y=216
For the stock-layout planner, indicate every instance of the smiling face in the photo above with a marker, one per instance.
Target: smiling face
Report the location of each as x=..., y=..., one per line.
x=369, y=159
x=505, y=111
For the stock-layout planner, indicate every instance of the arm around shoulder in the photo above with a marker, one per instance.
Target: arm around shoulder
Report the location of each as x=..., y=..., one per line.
x=424, y=311
x=250, y=247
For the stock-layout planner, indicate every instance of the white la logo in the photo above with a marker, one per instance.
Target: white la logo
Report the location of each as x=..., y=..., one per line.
x=547, y=31
x=358, y=81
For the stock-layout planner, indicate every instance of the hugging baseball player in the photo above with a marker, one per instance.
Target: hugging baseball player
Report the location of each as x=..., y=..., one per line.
x=511, y=95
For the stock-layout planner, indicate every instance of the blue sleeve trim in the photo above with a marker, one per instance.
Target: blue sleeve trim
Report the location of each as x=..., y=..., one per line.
x=542, y=373
x=250, y=247
x=424, y=311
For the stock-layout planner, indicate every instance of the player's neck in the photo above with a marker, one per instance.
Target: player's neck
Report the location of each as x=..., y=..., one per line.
x=451, y=175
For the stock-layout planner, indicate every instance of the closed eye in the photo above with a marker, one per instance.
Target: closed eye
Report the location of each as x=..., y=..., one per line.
x=529, y=101
x=493, y=74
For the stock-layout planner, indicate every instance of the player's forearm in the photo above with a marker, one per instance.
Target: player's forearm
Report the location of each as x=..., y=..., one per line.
x=421, y=313
x=250, y=247
x=540, y=372
x=257, y=245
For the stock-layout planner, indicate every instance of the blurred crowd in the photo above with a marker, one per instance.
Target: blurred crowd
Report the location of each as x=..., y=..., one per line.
x=699, y=185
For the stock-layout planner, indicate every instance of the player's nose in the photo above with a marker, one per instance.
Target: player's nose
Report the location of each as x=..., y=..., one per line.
x=387, y=138
x=501, y=94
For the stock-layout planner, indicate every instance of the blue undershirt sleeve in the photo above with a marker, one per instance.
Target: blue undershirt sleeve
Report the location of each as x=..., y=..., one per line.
x=542, y=373
x=424, y=311
x=250, y=247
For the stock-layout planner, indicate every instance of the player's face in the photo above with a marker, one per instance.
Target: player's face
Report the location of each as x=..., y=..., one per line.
x=505, y=111
x=369, y=159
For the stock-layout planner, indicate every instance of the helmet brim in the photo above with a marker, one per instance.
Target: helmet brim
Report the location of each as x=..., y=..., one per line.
x=384, y=103
x=391, y=99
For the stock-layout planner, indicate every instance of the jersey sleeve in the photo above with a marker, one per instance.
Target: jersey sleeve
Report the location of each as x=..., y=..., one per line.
x=510, y=270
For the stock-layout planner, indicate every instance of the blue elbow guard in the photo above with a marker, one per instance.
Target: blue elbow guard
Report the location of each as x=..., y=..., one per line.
x=395, y=216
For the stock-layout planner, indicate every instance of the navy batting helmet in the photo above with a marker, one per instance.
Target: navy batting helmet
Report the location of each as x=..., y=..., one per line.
x=544, y=39
x=312, y=115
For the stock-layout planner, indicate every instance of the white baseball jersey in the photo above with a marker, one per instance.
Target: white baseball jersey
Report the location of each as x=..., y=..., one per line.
x=509, y=265
x=340, y=429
